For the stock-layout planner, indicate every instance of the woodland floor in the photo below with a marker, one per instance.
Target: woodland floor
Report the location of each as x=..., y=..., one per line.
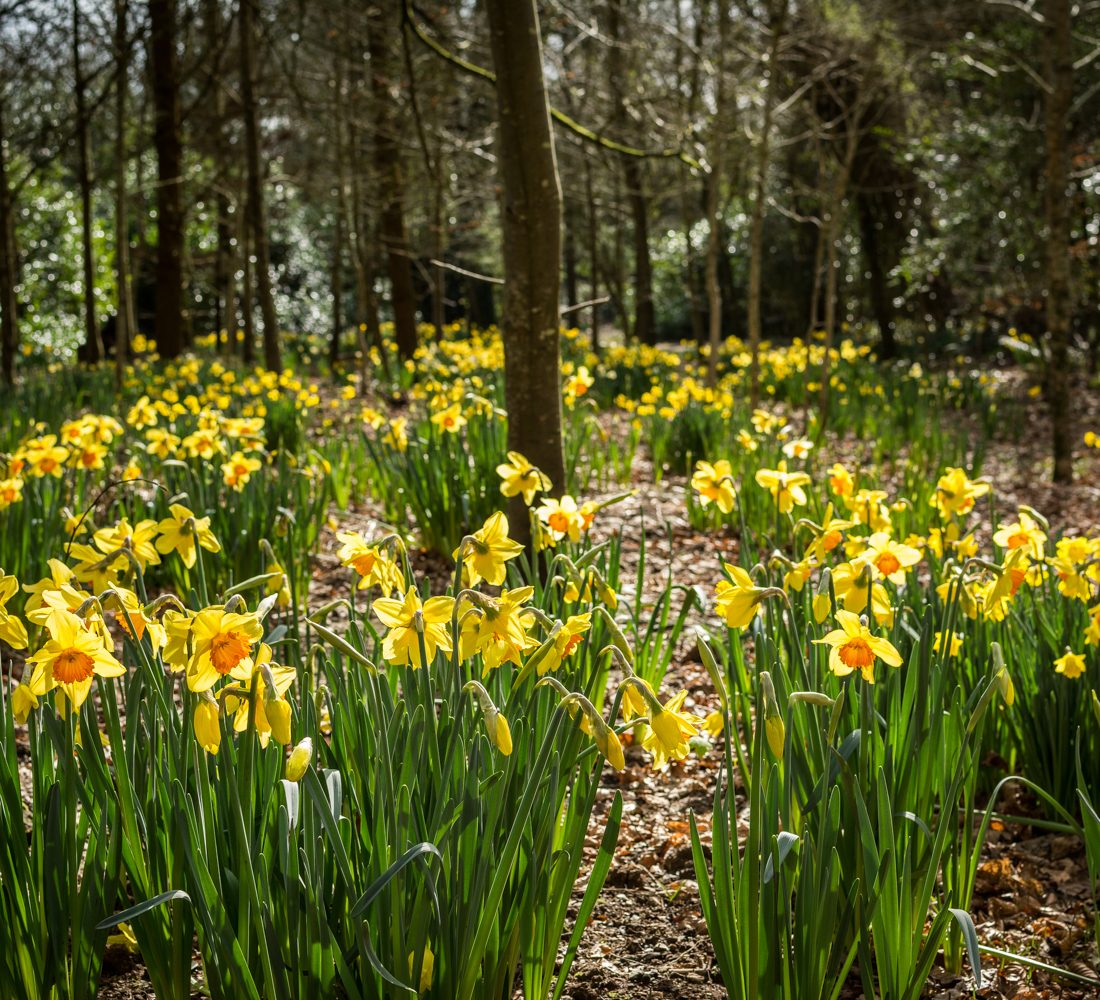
x=647, y=938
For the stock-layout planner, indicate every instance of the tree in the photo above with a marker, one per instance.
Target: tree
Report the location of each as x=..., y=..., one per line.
x=1059, y=95
x=254, y=210
x=168, y=141
x=530, y=239
x=387, y=159
x=93, y=347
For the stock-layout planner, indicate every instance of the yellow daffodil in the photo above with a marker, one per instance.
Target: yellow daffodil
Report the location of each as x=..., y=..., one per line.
x=12, y=630
x=182, y=531
x=408, y=620
x=487, y=550
x=669, y=731
x=1070, y=664
x=72, y=656
x=955, y=493
x=221, y=643
x=855, y=648
x=375, y=566
x=785, y=487
x=1025, y=533
x=891, y=559
x=714, y=484
x=520, y=478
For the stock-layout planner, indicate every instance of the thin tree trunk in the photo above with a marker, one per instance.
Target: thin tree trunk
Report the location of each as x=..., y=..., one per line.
x=715, y=153
x=645, y=323
x=832, y=264
x=756, y=228
x=124, y=308
x=257, y=215
x=387, y=159
x=531, y=241
x=168, y=140
x=248, y=309
x=93, y=347
x=9, y=306
x=1059, y=60
x=225, y=315
x=593, y=254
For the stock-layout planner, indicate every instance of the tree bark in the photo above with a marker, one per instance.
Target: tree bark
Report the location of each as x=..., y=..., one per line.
x=531, y=240
x=644, y=326
x=1059, y=60
x=168, y=141
x=390, y=180
x=756, y=228
x=9, y=306
x=93, y=346
x=257, y=216
x=124, y=306
x=593, y=254
x=713, y=190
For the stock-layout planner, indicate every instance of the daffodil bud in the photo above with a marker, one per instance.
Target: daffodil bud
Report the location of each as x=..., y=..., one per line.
x=299, y=760
x=774, y=729
x=24, y=701
x=496, y=725
x=207, y=723
x=277, y=711
x=823, y=600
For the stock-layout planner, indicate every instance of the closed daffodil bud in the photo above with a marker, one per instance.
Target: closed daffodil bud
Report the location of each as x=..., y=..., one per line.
x=299, y=760
x=495, y=724
x=774, y=728
x=23, y=702
x=207, y=722
x=500, y=733
x=277, y=711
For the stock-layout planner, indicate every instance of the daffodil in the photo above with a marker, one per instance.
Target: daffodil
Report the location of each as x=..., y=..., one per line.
x=487, y=550
x=450, y=420
x=669, y=731
x=221, y=643
x=520, y=478
x=238, y=469
x=562, y=518
x=71, y=657
x=299, y=760
x=566, y=642
x=948, y=643
x=891, y=559
x=955, y=493
x=1024, y=533
x=854, y=647
x=1070, y=664
x=738, y=602
x=785, y=487
x=409, y=620
x=375, y=566
x=714, y=484
x=182, y=531
x=12, y=630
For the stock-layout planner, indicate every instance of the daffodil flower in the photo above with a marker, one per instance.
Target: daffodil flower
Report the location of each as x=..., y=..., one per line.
x=855, y=648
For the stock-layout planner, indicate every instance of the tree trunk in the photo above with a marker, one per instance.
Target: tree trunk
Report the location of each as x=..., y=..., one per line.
x=715, y=152
x=93, y=347
x=570, y=235
x=1059, y=60
x=645, y=323
x=124, y=308
x=248, y=309
x=593, y=254
x=756, y=228
x=9, y=306
x=531, y=241
x=168, y=140
x=225, y=313
x=257, y=216
x=387, y=161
